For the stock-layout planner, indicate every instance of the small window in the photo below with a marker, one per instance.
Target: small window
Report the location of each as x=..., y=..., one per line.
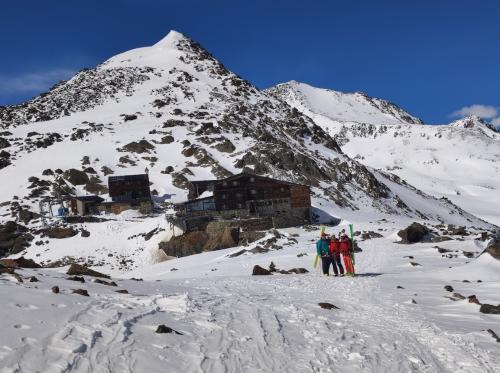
x=253, y=192
x=235, y=183
x=252, y=179
x=240, y=206
x=282, y=189
x=223, y=196
x=224, y=183
x=239, y=195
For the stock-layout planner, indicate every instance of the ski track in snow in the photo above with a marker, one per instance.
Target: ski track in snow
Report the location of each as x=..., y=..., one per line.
x=241, y=323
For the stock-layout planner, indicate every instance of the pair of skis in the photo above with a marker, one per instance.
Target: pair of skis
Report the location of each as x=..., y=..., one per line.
x=351, y=232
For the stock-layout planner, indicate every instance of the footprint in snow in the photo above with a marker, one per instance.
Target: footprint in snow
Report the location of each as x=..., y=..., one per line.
x=21, y=326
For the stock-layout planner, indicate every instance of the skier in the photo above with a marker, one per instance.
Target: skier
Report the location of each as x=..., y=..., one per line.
x=323, y=252
x=335, y=255
x=345, y=248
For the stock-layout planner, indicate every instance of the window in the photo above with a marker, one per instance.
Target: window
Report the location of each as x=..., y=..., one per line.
x=224, y=183
x=223, y=196
x=282, y=189
x=235, y=183
x=239, y=195
x=240, y=206
x=252, y=179
x=253, y=192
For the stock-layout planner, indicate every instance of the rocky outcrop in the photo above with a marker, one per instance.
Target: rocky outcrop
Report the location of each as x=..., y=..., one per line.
x=79, y=270
x=259, y=271
x=20, y=263
x=14, y=238
x=187, y=244
x=414, y=233
x=60, y=232
x=494, y=248
x=76, y=177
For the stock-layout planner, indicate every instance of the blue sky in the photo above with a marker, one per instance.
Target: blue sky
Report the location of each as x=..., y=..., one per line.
x=433, y=58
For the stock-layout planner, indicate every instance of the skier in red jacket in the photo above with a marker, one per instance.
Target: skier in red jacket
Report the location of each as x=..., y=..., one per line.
x=334, y=248
x=345, y=249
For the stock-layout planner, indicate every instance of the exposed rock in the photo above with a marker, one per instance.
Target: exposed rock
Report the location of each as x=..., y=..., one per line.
x=142, y=146
x=298, y=270
x=83, y=292
x=494, y=248
x=108, y=283
x=59, y=232
x=186, y=244
x=55, y=289
x=225, y=146
x=79, y=270
x=473, y=299
x=33, y=279
x=167, y=139
x=457, y=231
x=238, y=253
x=259, y=271
x=490, y=309
x=129, y=117
x=4, y=269
x=122, y=291
x=328, y=306
x=458, y=296
x=415, y=264
x=448, y=288
x=413, y=233
x=494, y=335
x=468, y=254
x=19, y=263
x=370, y=234
x=76, y=177
x=4, y=143
x=14, y=238
x=162, y=329
x=229, y=238
x=84, y=233
x=107, y=171
x=76, y=278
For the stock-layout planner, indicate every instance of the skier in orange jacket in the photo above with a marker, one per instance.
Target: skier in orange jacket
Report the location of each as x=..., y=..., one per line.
x=345, y=249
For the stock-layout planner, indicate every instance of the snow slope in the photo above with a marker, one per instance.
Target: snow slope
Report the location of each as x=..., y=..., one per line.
x=460, y=162
x=231, y=321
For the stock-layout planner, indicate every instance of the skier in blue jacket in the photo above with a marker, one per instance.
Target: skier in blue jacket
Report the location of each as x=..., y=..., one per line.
x=323, y=252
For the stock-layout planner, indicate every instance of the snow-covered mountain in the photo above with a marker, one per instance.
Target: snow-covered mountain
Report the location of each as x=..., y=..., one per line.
x=341, y=107
x=174, y=109
x=460, y=161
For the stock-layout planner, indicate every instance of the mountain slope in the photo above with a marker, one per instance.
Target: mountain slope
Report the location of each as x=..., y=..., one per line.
x=460, y=161
x=341, y=107
x=174, y=109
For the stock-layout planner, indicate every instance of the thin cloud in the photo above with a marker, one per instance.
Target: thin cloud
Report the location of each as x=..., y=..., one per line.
x=483, y=111
x=33, y=82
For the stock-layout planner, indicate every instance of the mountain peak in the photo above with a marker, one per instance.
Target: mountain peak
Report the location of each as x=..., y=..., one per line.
x=171, y=39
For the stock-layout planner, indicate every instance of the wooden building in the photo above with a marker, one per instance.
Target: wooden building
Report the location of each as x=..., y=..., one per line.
x=248, y=196
x=126, y=192
x=129, y=188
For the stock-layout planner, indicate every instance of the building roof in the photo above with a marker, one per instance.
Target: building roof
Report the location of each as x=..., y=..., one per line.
x=244, y=174
x=89, y=198
x=128, y=177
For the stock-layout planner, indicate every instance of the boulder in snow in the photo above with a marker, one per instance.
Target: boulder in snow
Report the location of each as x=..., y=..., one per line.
x=414, y=233
x=259, y=271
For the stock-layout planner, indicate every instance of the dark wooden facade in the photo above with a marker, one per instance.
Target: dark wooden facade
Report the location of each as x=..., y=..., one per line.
x=247, y=195
x=129, y=188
